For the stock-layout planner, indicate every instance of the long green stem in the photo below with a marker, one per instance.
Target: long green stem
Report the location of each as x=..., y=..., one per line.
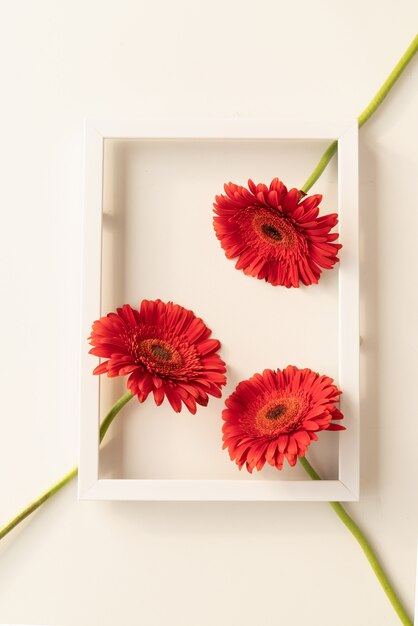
x=113, y=412
x=69, y=476
x=366, y=547
x=368, y=111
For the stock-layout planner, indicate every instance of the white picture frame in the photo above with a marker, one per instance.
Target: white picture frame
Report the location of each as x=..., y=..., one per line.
x=346, y=488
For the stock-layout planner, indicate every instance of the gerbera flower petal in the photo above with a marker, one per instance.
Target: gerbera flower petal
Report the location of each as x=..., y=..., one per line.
x=274, y=234
x=165, y=349
x=335, y=427
x=276, y=414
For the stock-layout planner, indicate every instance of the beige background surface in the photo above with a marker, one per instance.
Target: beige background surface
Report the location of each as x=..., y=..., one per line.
x=100, y=564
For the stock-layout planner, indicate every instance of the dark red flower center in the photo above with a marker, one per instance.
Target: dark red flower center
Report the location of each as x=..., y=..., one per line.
x=276, y=412
x=274, y=229
x=282, y=413
x=171, y=356
x=159, y=355
x=271, y=232
x=160, y=352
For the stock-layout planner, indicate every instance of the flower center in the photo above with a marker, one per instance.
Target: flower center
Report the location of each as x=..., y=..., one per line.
x=271, y=232
x=274, y=229
x=279, y=415
x=160, y=352
x=276, y=412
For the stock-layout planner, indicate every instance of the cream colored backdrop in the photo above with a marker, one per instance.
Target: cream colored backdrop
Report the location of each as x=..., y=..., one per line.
x=149, y=564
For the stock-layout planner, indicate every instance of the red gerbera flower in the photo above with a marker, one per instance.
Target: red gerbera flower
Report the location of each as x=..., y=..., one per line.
x=165, y=349
x=275, y=235
x=276, y=414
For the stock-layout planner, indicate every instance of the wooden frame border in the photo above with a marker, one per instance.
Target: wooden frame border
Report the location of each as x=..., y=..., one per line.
x=346, y=488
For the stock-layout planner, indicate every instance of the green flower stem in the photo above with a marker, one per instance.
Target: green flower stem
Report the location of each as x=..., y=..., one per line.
x=366, y=547
x=104, y=426
x=368, y=112
x=69, y=476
